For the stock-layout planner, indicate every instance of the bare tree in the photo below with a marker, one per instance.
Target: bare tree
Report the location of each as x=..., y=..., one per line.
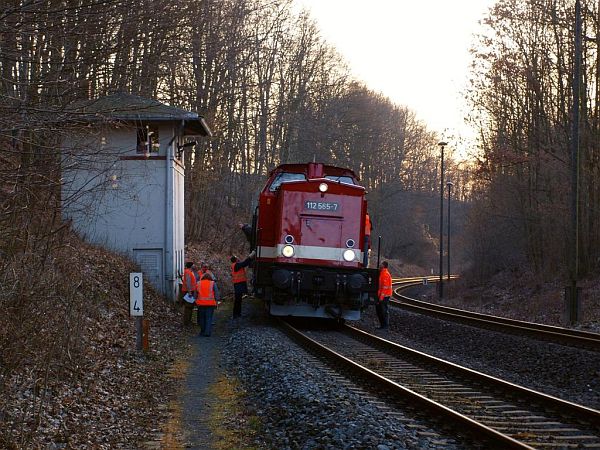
x=522, y=97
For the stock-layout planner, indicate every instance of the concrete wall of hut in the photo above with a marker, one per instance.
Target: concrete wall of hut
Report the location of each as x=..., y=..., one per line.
x=118, y=199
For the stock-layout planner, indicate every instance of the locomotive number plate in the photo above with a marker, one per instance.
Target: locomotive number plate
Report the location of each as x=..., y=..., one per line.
x=321, y=206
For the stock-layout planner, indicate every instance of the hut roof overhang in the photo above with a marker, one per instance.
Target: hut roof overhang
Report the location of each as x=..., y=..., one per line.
x=132, y=108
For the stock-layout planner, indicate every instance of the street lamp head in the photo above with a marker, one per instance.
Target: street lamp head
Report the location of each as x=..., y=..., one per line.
x=449, y=184
x=442, y=143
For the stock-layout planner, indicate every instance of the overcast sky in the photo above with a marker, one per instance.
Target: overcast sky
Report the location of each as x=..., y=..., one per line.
x=415, y=52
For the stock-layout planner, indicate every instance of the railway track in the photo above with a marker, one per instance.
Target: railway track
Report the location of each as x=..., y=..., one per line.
x=498, y=414
x=564, y=336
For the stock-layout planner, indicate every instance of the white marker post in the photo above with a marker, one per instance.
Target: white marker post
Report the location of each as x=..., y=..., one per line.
x=136, y=304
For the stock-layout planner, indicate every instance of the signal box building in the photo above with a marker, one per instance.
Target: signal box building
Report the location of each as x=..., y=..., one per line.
x=123, y=180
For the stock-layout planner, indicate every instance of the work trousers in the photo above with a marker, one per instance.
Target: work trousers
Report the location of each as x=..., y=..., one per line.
x=205, y=319
x=187, y=313
x=381, y=307
x=237, y=304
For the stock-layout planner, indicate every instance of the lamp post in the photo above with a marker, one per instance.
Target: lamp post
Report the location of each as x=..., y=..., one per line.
x=449, y=185
x=572, y=291
x=442, y=144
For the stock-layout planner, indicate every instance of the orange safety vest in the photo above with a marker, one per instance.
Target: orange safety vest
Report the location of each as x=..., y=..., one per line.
x=385, y=284
x=206, y=293
x=239, y=276
x=212, y=275
x=367, y=225
x=189, y=281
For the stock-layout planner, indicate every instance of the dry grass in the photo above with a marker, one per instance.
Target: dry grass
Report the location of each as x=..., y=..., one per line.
x=172, y=436
x=232, y=427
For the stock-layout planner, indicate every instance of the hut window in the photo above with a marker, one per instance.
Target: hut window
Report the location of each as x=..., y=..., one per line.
x=147, y=139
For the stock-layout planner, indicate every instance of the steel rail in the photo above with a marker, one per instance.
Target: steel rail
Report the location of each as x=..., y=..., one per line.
x=578, y=338
x=554, y=407
x=493, y=437
x=567, y=408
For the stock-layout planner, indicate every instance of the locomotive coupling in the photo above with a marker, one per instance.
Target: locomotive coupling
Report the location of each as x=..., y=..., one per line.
x=282, y=279
x=356, y=282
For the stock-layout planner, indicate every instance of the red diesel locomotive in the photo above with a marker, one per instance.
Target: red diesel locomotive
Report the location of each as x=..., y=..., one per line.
x=309, y=240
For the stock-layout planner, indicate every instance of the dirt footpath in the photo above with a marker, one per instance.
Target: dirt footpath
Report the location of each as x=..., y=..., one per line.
x=208, y=410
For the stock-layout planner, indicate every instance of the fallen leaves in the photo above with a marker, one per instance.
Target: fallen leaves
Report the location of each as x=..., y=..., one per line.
x=83, y=385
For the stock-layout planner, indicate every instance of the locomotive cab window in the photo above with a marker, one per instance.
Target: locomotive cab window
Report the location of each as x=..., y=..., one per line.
x=340, y=179
x=285, y=177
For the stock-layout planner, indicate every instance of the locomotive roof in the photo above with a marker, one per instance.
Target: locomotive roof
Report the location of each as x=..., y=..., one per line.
x=303, y=168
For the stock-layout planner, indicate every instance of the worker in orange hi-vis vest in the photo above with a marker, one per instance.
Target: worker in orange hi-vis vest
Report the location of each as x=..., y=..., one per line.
x=206, y=269
x=188, y=289
x=383, y=296
x=367, y=246
x=208, y=294
x=239, y=279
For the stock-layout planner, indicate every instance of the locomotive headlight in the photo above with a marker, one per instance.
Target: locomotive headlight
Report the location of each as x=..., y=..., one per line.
x=349, y=255
x=288, y=251
x=323, y=187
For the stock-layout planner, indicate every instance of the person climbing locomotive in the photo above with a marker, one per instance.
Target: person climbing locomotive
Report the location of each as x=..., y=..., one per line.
x=240, y=281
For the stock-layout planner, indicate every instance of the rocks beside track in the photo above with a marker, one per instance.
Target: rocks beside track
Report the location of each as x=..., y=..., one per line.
x=292, y=400
x=302, y=404
x=565, y=372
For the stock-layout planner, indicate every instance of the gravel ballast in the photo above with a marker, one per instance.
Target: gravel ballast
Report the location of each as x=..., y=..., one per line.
x=302, y=404
x=293, y=400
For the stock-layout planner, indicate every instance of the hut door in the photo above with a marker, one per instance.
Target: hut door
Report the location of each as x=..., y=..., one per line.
x=150, y=261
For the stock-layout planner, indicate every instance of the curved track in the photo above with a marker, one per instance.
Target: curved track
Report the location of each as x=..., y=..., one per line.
x=564, y=336
x=496, y=413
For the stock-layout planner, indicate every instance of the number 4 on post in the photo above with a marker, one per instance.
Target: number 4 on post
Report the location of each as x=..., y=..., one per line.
x=136, y=294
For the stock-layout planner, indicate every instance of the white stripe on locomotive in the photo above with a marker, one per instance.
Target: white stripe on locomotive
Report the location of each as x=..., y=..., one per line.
x=310, y=252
